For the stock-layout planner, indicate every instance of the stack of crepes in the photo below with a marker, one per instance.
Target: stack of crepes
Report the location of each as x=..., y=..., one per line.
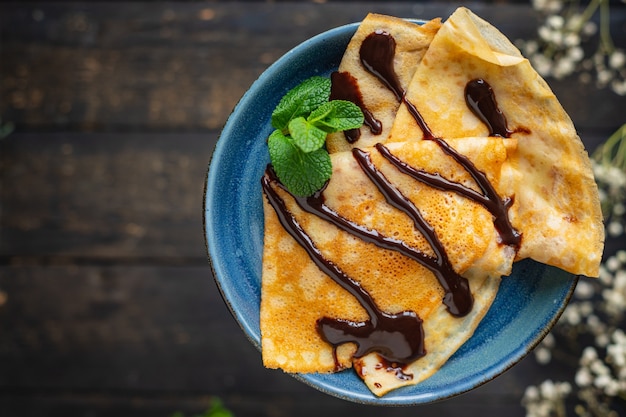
x=533, y=159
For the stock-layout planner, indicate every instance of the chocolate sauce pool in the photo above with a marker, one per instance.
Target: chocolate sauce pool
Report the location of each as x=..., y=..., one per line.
x=481, y=100
x=344, y=87
x=377, y=53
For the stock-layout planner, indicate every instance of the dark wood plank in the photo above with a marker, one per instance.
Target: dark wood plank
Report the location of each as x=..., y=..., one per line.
x=107, y=197
x=117, y=328
x=107, y=303
x=104, y=196
x=183, y=66
x=310, y=405
x=277, y=406
x=143, y=339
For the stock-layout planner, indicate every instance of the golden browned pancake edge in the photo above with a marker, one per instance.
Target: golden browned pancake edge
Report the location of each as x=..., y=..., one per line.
x=412, y=41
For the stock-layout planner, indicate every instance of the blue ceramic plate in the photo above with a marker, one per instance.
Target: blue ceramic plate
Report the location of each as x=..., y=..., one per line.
x=528, y=303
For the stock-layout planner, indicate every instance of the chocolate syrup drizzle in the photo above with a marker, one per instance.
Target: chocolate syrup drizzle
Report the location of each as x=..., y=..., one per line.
x=377, y=53
x=490, y=200
x=397, y=338
x=481, y=100
x=344, y=87
x=458, y=298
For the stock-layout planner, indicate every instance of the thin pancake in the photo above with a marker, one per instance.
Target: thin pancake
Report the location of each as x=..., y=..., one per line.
x=537, y=160
x=556, y=201
x=443, y=331
x=295, y=293
x=412, y=41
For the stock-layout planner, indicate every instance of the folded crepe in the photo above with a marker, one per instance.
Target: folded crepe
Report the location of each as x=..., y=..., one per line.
x=556, y=198
x=296, y=293
x=412, y=41
x=513, y=144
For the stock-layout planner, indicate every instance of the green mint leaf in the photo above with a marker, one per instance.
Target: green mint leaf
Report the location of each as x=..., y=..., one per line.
x=337, y=115
x=301, y=100
x=306, y=136
x=301, y=172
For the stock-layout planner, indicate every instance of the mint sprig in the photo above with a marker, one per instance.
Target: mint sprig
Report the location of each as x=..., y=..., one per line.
x=301, y=101
x=302, y=173
x=302, y=120
x=306, y=135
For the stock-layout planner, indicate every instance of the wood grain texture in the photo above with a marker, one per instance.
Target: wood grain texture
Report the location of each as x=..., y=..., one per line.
x=107, y=302
x=105, y=196
x=183, y=66
x=153, y=339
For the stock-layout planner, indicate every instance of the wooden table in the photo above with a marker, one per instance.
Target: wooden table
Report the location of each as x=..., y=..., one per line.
x=107, y=302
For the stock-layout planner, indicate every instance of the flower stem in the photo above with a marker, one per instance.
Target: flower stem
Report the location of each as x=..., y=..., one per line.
x=589, y=11
x=613, y=151
x=605, y=27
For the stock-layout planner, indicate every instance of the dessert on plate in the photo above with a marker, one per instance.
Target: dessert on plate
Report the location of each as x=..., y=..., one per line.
x=465, y=163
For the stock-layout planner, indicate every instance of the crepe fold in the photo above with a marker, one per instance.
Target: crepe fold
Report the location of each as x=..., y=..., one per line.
x=533, y=164
x=295, y=293
x=412, y=41
x=556, y=198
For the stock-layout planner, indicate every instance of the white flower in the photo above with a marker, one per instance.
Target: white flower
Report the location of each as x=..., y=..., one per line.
x=620, y=280
x=545, y=33
x=531, y=393
x=575, y=52
x=584, y=290
x=542, y=64
x=565, y=388
x=555, y=21
x=612, y=388
x=602, y=340
x=616, y=177
x=572, y=315
x=564, y=67
x=549, y=340
x=616, y=355
x=586, y=309
x=589, y=355
x=547, y=389
x=531, y=47
x=617, y=59
x=598, y=368
x=548, y=5
x=615, y=229
x=593, y=321
x=543, y=355
x=574, y=23
x=619, y=87
x=602, y=381
x=615, y=301
x=613, y=264
x=605, y=276
x=589, y=29
x=583, y=377
x=604, y=77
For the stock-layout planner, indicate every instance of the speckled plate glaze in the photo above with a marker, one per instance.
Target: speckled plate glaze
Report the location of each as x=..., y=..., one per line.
x=528, y=304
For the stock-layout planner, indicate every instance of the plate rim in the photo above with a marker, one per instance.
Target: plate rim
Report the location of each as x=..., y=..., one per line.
x=225, y=292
